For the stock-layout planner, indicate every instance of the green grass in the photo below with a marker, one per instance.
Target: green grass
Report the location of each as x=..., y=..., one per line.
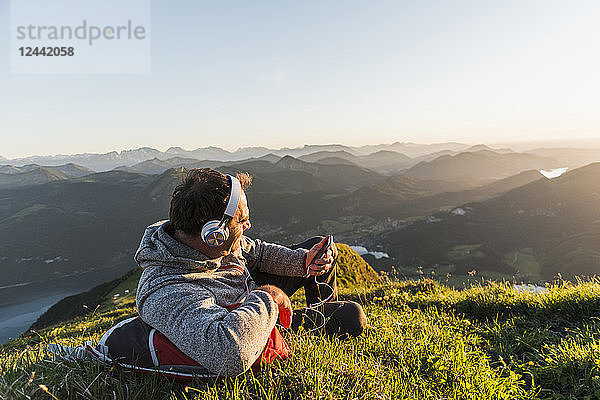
x=424, y=341
x=320, y=368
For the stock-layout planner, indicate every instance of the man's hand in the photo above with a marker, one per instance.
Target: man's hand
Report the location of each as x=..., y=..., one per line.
x=283, y=302
x=319, y=266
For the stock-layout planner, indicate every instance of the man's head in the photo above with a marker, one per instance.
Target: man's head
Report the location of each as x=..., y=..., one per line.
x=203, y=196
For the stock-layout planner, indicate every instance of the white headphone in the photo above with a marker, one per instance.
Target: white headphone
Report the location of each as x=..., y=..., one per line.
x=215, y=233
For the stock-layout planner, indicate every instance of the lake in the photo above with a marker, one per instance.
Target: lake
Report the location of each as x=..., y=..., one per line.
x=21, y=305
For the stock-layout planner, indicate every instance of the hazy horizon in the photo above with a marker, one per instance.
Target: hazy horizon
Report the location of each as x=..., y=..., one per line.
x=516, y=146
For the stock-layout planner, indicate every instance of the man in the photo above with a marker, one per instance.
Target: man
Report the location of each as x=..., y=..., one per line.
x=219, y=304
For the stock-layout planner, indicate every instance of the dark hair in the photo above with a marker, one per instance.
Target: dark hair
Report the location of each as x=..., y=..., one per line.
x=201, y=197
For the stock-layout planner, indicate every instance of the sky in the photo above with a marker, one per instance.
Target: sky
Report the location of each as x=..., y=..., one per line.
x=287, y=73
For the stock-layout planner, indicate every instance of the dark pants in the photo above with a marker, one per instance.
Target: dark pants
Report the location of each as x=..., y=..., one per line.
x=339, y=318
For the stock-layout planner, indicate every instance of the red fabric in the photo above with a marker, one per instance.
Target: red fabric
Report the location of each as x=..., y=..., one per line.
x=168, y=354
x=276, y=348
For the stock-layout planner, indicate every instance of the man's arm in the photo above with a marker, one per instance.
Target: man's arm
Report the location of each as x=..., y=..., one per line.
x=226, y=343
x=272, y=258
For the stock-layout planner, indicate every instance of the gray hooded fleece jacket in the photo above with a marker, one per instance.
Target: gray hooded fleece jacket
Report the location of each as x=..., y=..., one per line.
x=211, y=308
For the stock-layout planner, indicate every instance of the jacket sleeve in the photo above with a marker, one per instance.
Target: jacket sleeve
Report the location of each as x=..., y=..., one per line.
x=273, y=258
x=226, y=343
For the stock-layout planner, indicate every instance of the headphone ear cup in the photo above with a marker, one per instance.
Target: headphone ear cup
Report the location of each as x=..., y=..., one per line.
x=215, y=238
x=213, y=234
x=210, y=233
x=218, y=236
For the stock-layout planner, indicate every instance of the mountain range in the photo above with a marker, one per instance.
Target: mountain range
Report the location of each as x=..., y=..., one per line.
x=127, y=158
x=454, y=208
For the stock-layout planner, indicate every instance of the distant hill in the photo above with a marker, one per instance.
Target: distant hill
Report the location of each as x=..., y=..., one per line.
x=315, y=148
x=415, y=149
x=433, y=156
x=33, y=174
x=10, y=169
x=272, y=158
x=70, y=169
x=387, y=161
x=210, y=153
x=510, y=183
x=320, y=155
x=158, y=166
x=536, y=230
x=405, y=187
x=479, y=147
x=382, y=161
x=334, y=161
x=290, y=174
x=480, y=166
x=402, y=197
x=34, y=177
x=344, y=177
x=392, y=195
x=572, y=158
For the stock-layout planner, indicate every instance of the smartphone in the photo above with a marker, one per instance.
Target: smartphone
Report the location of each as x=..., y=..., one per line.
x=326, y=246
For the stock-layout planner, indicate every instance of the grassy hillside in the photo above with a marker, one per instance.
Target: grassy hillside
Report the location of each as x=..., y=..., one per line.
x=424, y=341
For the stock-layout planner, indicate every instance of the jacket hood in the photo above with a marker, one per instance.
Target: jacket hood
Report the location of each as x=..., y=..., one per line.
x=158, y=247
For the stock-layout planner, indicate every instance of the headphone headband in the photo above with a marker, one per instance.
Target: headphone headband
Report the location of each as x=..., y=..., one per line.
x=234, y=197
